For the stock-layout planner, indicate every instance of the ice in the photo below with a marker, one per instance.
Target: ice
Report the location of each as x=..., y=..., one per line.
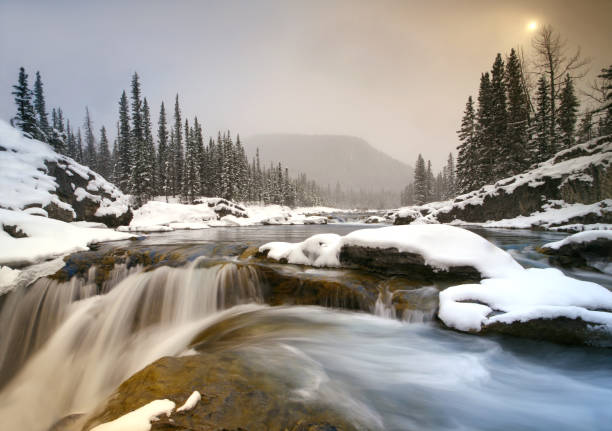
x=191, y=402
x=139, y=419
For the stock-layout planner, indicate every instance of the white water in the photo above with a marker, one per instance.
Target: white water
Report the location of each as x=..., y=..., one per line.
x=383, y=373
x=97, y=341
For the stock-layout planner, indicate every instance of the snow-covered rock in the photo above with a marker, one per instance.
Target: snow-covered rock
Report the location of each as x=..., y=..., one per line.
x=573, y=187
x=32, y=239
x=534, y=303
x=36, y=179
x=423, y=251
x=590, y=249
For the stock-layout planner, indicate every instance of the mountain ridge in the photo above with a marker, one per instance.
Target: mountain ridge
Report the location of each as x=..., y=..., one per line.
x=349, y=160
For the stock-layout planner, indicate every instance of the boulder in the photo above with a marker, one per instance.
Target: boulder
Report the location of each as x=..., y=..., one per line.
x=390, y=261
x=593, y=255
x=235, y=396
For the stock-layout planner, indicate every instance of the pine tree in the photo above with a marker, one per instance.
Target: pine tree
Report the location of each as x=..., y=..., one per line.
x=485, y=154
x=430, y=183
x=43, y=130
x=105, y=164
x=139, y=180
x=542, y=148
x=606, y=108
x=79, y=147
x=518, y=118
x=149, y=148
x=89, y=154
x=585, y=129
x=449, y=191
x=420, y=181
x=71, y=149
x=500, y=153
x=467, y=169
x=25, y=120
x=177, y=150
x=59, y=137
x=124, y=147
x=566, y=117
x=163, y=165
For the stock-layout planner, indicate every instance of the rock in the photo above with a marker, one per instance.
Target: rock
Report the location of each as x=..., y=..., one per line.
x=85, y=191
x=592, y=255
x=390, y=261
x=560, y=330
x=223, y=207
x=14, y=231
x=235, y=396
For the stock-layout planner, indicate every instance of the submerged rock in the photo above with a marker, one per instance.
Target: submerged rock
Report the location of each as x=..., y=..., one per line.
x=235, y=396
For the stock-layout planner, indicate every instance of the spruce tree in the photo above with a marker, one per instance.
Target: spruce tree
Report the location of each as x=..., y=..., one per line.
x=25, y=119
x=149, y=148
x=450, y=178
x=43, y=130
x=139, y=180
x=177, y=150
x=124, y=148
x=518, y=118
x=105, y=164
x=79, y=147
x=89, y=154
x=566, y=116
x=71, y=150
x=542, y=147
x=606, y=87
x=467, y=168
x=420, y=181
x=162, y=153
x=585, y=129
x=485, y=148
x=500, y=152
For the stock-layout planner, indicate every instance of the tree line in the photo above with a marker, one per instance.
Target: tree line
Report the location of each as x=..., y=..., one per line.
x=515, y=125
x=429, y=188
x=177, y=163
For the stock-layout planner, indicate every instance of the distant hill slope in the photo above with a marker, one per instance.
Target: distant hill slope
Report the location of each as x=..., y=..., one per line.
x=331, y=158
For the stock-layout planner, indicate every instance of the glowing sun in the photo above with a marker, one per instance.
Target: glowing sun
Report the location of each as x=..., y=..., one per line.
x=532, y=26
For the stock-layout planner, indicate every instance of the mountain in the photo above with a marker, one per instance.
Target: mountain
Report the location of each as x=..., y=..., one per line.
x=329, y=159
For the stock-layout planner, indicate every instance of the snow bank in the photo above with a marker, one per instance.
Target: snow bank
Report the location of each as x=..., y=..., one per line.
x=7, y=277
x=139, y=419
x=522, y=296
x=25, y=179
x=160, y=216
x=441, y=246
x=569, y=173
x=46, y=238
x=580, y=238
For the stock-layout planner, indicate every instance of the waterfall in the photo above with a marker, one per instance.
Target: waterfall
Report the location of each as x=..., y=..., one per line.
x=82, y=341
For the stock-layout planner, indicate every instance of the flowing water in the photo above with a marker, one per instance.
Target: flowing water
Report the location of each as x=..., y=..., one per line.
x=66, y=346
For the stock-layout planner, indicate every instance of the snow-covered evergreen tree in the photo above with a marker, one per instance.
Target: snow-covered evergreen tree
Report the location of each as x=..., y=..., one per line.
x=105, y=163
x=163, y=163
x=498, y=151
x=420, y=181
x=542, y=147
x=43, y=130
x=25, y=119
x=467, y=160
x=124, y=147
x=567, y=114
x=90, y=156
x=517, y=155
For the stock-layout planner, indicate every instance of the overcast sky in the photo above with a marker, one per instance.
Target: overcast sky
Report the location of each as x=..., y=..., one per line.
x=396, y=73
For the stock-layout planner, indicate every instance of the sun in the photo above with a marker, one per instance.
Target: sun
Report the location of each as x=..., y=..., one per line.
x=532, y=26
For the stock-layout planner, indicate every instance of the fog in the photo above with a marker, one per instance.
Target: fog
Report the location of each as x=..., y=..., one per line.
x=396, y=73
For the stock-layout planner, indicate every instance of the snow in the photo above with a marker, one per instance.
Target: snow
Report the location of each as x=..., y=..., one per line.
x=161, y=216
x=442, y=247
x=46, y=238
x=24, y=180
x=139, y=419
x=191, y=402
x=562, y=168
x=7, y=277
x=580, y=238
x=522, y=296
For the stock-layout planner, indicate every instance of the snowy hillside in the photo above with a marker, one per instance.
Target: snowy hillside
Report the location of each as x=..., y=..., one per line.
x=570, y=190
x=39, y=181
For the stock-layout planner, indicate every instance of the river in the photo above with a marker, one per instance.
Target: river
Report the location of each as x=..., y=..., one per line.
x=67, y=346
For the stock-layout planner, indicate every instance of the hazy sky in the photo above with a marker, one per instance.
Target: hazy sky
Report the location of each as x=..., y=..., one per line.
x=396, y=73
